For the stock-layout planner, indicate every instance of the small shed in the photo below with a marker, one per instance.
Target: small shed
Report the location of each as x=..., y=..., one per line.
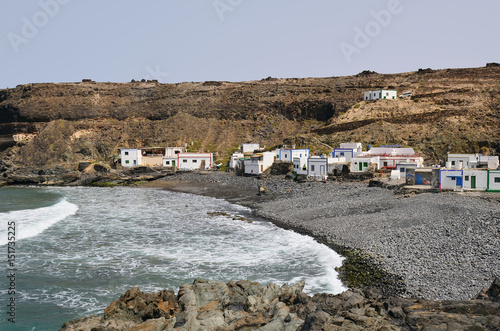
x=300, y=165
x=493, y=180
x=475, y=179
x=450, y=179
x=317, y=167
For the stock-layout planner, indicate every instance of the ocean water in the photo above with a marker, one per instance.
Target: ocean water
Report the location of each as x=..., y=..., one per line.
x=78, y=249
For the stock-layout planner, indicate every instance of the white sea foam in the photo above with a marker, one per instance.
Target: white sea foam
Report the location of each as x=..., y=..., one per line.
x=31, y=222
x=153, y=239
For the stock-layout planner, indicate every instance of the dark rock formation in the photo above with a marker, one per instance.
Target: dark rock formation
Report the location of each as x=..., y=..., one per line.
x=245, y=305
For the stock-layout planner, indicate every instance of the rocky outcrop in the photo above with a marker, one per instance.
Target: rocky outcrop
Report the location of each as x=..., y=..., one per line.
x=245, y=305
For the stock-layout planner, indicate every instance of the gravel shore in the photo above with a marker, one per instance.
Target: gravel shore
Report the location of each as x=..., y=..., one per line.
x=444, y=246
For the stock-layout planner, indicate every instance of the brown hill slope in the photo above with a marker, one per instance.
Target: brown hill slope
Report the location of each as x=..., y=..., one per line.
x=452, y=110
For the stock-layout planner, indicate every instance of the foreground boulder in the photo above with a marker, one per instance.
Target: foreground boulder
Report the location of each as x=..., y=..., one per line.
x=245, y=305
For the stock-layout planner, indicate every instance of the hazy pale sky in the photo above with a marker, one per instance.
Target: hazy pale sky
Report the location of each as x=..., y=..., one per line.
x=239, y=40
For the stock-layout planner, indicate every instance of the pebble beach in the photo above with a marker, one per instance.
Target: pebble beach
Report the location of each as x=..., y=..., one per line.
x=442, y=246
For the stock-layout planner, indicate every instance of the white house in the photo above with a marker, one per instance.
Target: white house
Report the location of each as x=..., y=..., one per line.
x=259, y=162
x=130, y=157
x=460, y=161
x=287, y=155
x=450, y=179
x=467, y=161
x=362, y=163
x=192, y=161
x=389, y=158
x=249, y=148
x=234, y=160
x=300, y=165
x=317, y=167
x=380, y=94
x=170, y=161
x=173, y=151
x=493, y=180
x=403, y=167
x=347, y=151
x=475, y=179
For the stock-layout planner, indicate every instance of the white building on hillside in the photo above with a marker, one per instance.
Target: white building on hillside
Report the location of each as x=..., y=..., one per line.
x=259, y=162
x=494, y=181
x=347, y=151
x=385, y=158
x=193, y=161
x=468, y=161
x=317, y=167
x=249, y=148
x=287, y=155
x=130, y=157
x=380, y=94
x=173, y=151
x=300, y=165
x=475, y=179
x=234, y=160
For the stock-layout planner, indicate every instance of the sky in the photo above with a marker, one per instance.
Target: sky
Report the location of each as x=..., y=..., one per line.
x=239, y=40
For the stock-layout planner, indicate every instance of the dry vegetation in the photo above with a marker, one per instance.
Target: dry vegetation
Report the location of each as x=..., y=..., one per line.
x=454, y=110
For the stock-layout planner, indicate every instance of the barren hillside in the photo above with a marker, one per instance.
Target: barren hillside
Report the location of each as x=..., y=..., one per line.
x=452, y=110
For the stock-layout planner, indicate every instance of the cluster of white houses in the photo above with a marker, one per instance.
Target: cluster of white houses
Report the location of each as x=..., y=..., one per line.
x=175, y=157
x=462, y=171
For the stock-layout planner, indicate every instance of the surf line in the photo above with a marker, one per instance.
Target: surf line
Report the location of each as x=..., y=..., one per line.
x=11, y=271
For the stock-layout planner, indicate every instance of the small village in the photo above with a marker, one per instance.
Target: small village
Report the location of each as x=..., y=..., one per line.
x=394, y=163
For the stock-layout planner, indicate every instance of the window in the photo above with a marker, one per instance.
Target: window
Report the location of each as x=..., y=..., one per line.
x=126, y=153
x=177, y=152
x=365, y=164
x=300, y=155
x=466, y=178
x=341, y=153
x=184, y=161
x=167, y=162
x=312, y=168
x=195, y=161
x=497, y=179
x=385, y=164
x=127, y=161
x=452, y=162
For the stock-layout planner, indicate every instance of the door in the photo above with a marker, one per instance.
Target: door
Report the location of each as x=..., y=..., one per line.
x=419, y=179
x=360, y=166
x=473, y=182
x=459, y=182
x=322, y=170
x=173, y=163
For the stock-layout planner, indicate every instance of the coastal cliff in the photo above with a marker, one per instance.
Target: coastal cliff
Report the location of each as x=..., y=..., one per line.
x=245, y=305
x=48, y=125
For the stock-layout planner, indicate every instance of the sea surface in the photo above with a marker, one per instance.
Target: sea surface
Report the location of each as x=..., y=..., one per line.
x=78, y=249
